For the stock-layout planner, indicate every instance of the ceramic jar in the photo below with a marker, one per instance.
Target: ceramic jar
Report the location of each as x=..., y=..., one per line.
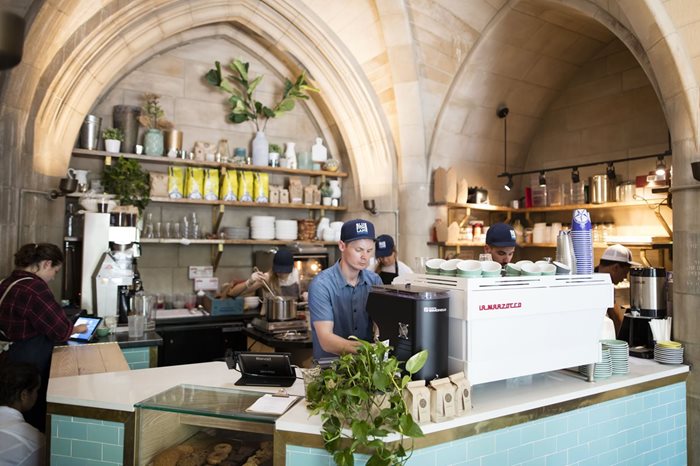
x=153, y=142
x=261, y=150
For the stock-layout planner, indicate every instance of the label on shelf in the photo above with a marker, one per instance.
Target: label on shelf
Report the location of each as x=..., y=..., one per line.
x=200, y=271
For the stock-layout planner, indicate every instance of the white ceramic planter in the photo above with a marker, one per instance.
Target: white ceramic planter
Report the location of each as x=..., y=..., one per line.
x=112, y=145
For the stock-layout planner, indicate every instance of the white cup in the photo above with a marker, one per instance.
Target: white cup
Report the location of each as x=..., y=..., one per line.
x=139, y=149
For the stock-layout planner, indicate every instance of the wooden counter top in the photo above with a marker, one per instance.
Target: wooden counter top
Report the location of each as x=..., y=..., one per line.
x=87, y=359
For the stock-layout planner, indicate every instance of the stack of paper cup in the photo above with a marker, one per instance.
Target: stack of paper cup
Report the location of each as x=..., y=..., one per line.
x=582, y=238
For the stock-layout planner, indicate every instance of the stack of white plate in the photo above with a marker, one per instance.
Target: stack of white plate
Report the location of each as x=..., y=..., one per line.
x=620, y=354
x=602, y=369
x=668, y=352
x=236, y=232
x=286, y=229
x=262, y=227
x=335, y=228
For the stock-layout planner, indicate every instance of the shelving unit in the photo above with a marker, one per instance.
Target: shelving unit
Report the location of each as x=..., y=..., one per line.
x=220, y=206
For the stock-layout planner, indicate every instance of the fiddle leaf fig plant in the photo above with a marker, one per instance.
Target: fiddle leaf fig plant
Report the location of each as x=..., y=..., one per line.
x=363, y=392
x=130, y=183
x=241, y=87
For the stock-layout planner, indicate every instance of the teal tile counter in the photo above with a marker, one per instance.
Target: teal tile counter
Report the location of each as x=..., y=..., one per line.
x=77, y=441
x=647, y=428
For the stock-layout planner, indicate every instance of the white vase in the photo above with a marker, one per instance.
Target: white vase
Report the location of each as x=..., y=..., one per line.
x=335, y=188
x=261, y=150
x=112, y=145
x=291, y=155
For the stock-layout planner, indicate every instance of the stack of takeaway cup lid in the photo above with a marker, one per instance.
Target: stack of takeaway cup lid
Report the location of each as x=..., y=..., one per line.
x=620, y=355
x=668, y=352
x=262, y=227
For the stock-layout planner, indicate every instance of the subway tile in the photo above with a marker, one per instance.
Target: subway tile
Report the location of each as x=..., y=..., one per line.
x=675, y=407
x=495, y=459
x=520, y=454
x=545, y=446
x=567, y=440
x=678, y=460
x=659, y=440
x=666, y=424
x=455, y=452
x=556, y=459
x=658, y=412
x=555, y=426
x=589, y=461
x=679, y=446
x=578, y=453
x=651, y=400
x=296, y=449
x=476, y=462
x=103, y=434
x=679, y=391
x=418, y=459
x=481, y=445
x=60, y=446
x=307, y=459
x=578, y=420
x=532, y=432
x=642, y=446
x=72, y=430
x=634, y=433
x=598, y=445
x=113, y=453
x=87, y=450
x=634, y=405
x=651, y=428
x=589, y=434
x=85, y=420
x=607, y=458
x=57, y=460
x=679, y=419
x=626, y=452
x=651, y=456
x=677, y=434
x=508, y=438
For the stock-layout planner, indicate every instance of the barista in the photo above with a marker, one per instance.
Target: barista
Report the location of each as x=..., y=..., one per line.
x=338, y=295
x=617, y=261
x=283, y=279
x=388, y=266
x=500, y=243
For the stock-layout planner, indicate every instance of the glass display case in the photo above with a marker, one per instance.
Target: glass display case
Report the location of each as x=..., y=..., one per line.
x=190, y=424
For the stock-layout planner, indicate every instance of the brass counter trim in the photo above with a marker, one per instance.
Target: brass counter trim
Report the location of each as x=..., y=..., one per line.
x=283, y=438
x=123, y=417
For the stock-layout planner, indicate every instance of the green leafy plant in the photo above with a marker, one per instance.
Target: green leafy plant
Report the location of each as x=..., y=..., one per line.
x=152, y=114
x=364, y=392
x=113, y=133
x=130, y=183
x=325, y=189
x=241, y=87
x=275, y=148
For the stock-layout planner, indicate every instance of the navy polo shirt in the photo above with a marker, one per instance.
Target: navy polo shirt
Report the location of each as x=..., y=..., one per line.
x=332, y=298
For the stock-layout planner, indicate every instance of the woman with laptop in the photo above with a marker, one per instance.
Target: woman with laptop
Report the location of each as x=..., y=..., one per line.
x=31, y=320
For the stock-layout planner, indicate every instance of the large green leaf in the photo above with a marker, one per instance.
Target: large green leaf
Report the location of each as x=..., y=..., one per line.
x=409, y=426
x=416, y=361
x=380, y=380
x=241, y=68
x=253, y=84
x=376, y=460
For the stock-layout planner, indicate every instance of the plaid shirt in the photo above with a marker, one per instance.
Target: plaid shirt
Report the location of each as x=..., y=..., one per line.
x=30, y=309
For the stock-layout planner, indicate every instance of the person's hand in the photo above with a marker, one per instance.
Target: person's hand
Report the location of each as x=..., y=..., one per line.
x=305, y=296
x=82, y=328
x=259, y=277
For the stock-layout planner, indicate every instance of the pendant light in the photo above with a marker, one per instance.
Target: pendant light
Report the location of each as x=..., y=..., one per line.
x=575, y=177
x=661, y=167
x=502, y=113
x=543, y=180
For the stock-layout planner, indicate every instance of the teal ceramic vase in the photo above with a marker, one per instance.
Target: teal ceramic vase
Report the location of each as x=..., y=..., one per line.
x=153, y=142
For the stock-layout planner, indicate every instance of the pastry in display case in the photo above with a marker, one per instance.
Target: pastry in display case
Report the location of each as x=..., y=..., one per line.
x=190, y=425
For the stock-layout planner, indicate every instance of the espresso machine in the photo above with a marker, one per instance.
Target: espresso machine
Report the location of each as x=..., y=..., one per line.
x=108, y=252
x=413, y=318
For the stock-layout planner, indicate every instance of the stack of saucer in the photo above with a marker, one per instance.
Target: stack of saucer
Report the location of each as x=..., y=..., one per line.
x=236, y=232
x=619, y=352
x=582, y=238
x=603, y=369
x=286, y=229
x=668, y=352
x=262, y=227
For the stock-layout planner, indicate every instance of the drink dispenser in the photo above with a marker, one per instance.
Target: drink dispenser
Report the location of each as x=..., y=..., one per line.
x=413, y=318
x=648, y=291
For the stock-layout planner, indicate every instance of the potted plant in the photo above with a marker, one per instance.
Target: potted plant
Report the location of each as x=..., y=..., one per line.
x=326, y=193
x=363, y=393
x=244, y=106
x=274, y=155
x=113, y=138
x=152, y=118
x=130, y=183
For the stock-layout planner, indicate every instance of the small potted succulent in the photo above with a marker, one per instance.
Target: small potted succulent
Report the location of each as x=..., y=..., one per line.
x=113, y=138
x=152, y=118
x=326, y=193
x=274, y=155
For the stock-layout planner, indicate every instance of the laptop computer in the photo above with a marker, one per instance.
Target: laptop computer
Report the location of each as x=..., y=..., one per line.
x=265, y=369
x=92, y=324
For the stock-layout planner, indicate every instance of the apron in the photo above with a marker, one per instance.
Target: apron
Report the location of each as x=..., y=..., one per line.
x=290, y=290
x=36, y=350
x=388, y=277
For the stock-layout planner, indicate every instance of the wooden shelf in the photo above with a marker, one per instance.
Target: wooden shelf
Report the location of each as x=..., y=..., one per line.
x=496, y=208
x=99, y=154
x=487, y=207
x=251, y=242
x=466, y=244
x=264, y=205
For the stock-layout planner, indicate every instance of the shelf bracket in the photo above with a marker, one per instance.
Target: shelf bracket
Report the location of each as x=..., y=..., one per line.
x=217, y=252
x=218, y=216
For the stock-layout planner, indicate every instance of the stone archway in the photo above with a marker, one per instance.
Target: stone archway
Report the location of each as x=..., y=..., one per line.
x=110, y=39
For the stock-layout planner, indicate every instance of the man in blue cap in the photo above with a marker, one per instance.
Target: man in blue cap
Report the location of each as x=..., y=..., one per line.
x=388, y=265
x=338, y=295
x=500, y=243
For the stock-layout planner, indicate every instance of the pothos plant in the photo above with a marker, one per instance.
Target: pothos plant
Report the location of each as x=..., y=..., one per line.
x=130, y=183
x=241, y=87
x=364, y=392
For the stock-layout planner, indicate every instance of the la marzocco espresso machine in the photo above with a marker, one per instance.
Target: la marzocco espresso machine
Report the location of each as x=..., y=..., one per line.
x=108, y=253
x=413, y=318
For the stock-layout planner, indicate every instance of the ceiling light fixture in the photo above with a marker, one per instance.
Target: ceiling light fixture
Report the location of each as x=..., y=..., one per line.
x=543, y=180
x=611, y=172
x=575, y=177
x=509, y=185
x=661, y=166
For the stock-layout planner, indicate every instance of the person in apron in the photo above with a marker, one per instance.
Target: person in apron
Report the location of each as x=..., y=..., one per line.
x=283, y=279
x=31, y=321
x=388, y=266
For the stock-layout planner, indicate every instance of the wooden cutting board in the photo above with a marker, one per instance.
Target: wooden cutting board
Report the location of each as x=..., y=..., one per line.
x=87, y=359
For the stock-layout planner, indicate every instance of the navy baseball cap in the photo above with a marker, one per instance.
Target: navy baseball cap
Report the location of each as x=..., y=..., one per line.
x=500, y=235
x=283, y=262
x=356, y=229
x=384, y=246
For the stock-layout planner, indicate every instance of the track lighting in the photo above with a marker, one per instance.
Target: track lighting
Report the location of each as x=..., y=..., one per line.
x=509, y=185
x=611, y=171
x=660, y=167
x=575, y=178
x=543, y=180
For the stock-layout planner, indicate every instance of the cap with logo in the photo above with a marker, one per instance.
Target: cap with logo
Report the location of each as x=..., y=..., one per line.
x=500, y=235
x=619, y=253
x=384, y=246
x=356, y=229
x=283, y=262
